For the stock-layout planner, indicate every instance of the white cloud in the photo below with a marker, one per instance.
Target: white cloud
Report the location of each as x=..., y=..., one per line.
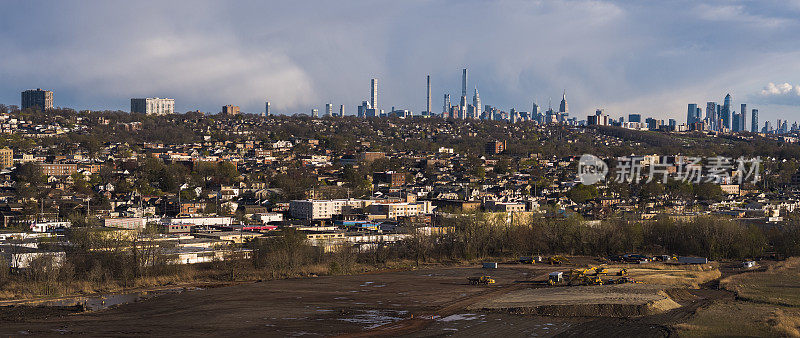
x=785, y=88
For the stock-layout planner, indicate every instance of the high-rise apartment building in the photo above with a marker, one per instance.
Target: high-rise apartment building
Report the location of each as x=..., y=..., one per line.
x=42, y=99
x=743, y=118
x=373, y=98
x=230, y=110
x=428, y=101
x=446, y=105
x=153, y=106
x=476, y=105
x=6, y=158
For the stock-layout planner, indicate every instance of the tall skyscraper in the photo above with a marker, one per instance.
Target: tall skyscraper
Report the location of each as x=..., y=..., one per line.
x=341, y=110
x=743, y=118
x=735, y=119
x=153, y=106
x=754, y=121
x=446, y=106
x=536, y=112
x=563, y=108
x=266, y=109
x=726, y=112
x=328, y=109
x=691, y=114
x=476, y=105
x=711, y=115
x=428, y=105
x=42, y=99
x=373, y=98
x=463, y=102
x=464, y=83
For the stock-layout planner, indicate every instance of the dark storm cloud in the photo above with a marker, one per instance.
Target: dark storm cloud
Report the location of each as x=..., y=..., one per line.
x=652, y=57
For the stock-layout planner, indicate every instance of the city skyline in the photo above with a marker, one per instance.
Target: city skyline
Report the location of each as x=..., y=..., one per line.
x=103, y=69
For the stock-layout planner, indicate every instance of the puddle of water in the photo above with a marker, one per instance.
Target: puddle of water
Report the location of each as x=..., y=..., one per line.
x=371, y=319
x=100, y=302
x=465, y=316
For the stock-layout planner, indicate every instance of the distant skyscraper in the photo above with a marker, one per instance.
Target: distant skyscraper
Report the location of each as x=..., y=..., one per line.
x=42, y=99
x=315, y=113
x=743, y=118
x=476, y=105
x=266, y=109
x=691, y=114
x=635, y=118
x=464, y=83
x=463, y=102
x=341, y=110
x=446, y=106
x=373, y=98
x=563, y=108
x=726, y=112
x=328, y=109
x=711, y=115
x=754, y=121
x=536, y=112
x=153, y=106
x=428, y=105
x=735, y=122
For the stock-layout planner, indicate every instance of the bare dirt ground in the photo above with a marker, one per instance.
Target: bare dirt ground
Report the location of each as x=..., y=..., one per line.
x=419, y=303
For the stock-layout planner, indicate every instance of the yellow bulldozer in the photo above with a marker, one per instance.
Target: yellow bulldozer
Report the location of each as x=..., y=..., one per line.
x=558, y=260
x=482, y=280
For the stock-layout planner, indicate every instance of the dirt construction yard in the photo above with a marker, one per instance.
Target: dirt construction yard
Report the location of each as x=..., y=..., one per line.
x=427, y=302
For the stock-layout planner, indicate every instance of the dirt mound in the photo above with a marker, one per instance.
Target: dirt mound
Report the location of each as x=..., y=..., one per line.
x=630, y=300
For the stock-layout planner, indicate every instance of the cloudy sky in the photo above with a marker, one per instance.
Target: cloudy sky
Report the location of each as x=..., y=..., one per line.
x=652, y=57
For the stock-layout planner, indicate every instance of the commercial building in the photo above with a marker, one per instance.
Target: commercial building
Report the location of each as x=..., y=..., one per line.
x=391, y=178
x=153, y=106
x=42, y=99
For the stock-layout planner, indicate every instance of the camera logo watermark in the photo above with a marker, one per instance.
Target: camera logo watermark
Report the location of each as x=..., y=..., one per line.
x=635, y=169
x=591, y=169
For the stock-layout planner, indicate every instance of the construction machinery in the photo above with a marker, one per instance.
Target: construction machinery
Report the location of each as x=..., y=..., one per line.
x=622, y=272
x=558, y=260
x=482, y=280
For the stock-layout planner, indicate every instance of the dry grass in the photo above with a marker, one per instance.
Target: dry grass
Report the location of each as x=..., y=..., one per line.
x=737, y=318
x=690, y=276
x=779, y=285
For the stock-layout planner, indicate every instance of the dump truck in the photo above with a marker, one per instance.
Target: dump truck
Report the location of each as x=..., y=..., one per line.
x=482, y=280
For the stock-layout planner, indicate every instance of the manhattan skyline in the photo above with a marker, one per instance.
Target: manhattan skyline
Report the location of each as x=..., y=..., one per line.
x=623, y=58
